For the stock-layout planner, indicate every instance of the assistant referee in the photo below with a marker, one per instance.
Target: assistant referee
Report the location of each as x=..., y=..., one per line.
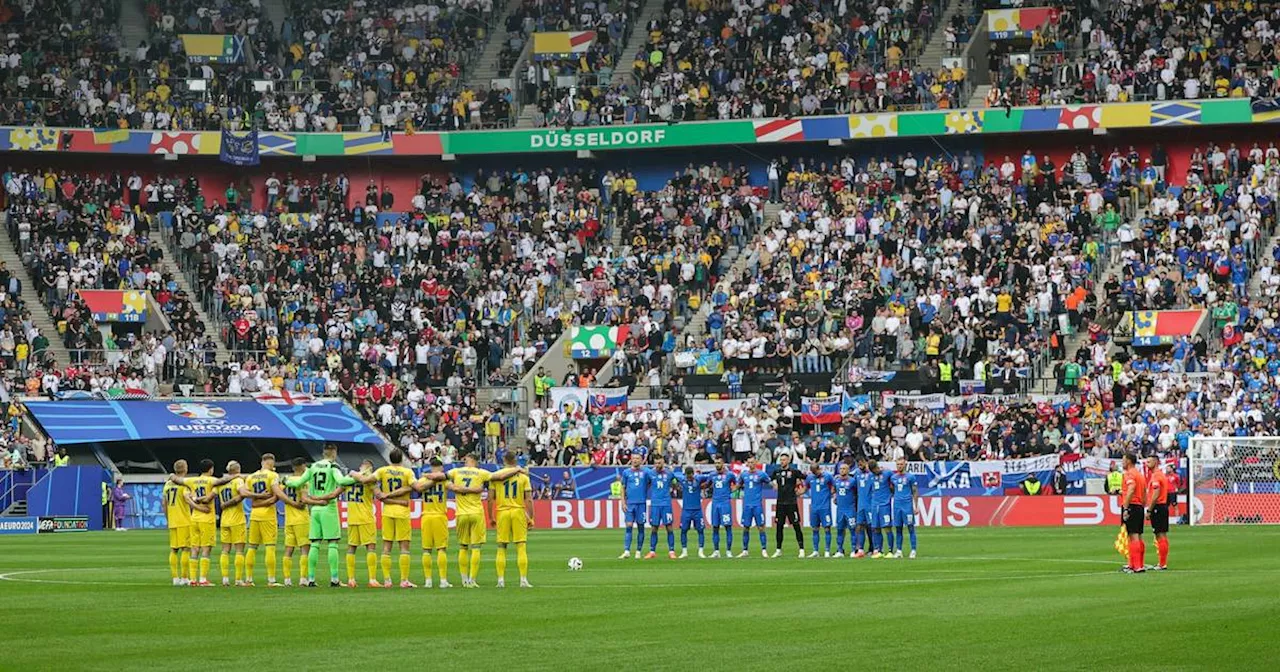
x=786, y=478
x=1133, y=496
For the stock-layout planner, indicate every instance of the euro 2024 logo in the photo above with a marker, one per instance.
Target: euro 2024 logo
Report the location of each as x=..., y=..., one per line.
x=195, y=411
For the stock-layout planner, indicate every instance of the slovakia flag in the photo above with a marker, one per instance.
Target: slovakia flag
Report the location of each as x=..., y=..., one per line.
x=820, y=410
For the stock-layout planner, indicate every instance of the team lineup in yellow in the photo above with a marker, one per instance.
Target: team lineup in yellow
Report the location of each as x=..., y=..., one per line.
x=310, y=495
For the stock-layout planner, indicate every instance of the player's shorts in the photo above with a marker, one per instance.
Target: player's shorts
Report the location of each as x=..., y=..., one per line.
x=1133, y=518
x=295, y=536
x=752, y=516
x=820, y=516
x=471, y=529
x=787, y=512
x=721, y=515
x=634, y=514
x=513, y=526
x=233, y=534
x=901, y=517
x=324, y=525
x=435, y=531
x=692, y=518
x=362, y=534
x=845, y=518
x=660, y=515
x=180, y=537
x=203, y=534
x=264, y=531
x=866, y=517
x=883, y=516
x=396, y=529
x=1160, y=518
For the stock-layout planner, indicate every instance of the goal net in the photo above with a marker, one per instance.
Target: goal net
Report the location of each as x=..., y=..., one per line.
x=1234, y=480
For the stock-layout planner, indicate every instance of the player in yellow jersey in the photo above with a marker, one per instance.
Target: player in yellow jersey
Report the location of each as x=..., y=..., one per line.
x=232, y=527
x=468, y=483
x=434, y=521
x=297, y=524
x=177, y=503
x=204, y=527
x=264, y=525
x=361, y=529
x=395, y=515
x=514, y=502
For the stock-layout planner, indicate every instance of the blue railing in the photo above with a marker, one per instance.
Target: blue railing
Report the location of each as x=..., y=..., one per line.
x=14, y=485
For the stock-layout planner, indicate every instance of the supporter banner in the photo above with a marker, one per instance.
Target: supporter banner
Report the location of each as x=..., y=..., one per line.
x=240, y=150
x=933, y=402
x=709, y=363
x=707, y=133
x=557, y=45
x=588, y=399
x=71, y=422
x=646, y=404
x=213, y=48
x=114, y=305
x=857, y=374
x=606, y=399
x=596, y=342
x=855, y=402
x=820, y=410
x=705, y=408
x=24, y=525
x=1163, y=327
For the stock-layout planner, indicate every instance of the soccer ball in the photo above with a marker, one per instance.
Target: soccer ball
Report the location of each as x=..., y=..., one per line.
x=575, y=564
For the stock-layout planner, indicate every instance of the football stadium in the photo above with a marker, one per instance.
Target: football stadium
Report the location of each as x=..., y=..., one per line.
x=639, y=334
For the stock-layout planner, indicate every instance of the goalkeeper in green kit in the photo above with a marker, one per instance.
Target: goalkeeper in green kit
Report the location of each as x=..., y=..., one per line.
x=324, y=482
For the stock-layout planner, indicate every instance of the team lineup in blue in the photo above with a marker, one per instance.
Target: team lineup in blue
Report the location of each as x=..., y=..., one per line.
x=869, y=504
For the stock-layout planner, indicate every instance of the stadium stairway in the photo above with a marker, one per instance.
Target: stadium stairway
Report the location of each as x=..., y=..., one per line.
x=936, y=50
x=1255, y=282
x=133, y=27
x=31, y=297
x=978, y=99
x=736, y=260
x=485, y=68
x=211, y=326
x=639, y=36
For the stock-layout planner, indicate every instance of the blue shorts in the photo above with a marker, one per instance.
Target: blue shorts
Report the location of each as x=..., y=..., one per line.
x=691, y=518
x=845, y=519
x=883, y=517
x=752, y=516
x=721, y=515
x=820, y=516
x=635, y=514
x=903, y=516
x=660, y=515
x=866, y=518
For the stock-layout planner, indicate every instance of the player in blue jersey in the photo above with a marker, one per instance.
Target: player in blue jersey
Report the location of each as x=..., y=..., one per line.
x=660, y=507
x=905, y=497
x=722, y=482
x=752, y=483
x=865, y=510
x=881, y=516
x=691, y=485
x=636, y=480
x=846, y=489
x=819, y=485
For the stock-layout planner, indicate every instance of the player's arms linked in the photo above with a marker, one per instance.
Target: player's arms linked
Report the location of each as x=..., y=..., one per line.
x=281, y=495
x=196, y=504
x=363, y=478
x=507, y=472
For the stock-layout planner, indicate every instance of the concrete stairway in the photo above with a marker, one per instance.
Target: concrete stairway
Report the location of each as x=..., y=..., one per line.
x=133, y=27
x=31, y=297
x=1264, y=259
x=979, y=96
x=639, y=36
x=936, y=50
x=485, y=68
x=171, y=267
x=735, y=261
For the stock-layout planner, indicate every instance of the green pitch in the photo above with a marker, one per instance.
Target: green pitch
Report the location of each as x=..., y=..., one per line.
x=1028, y=599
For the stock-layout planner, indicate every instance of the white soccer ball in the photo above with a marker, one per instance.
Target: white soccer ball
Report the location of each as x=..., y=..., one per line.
x=575, y=564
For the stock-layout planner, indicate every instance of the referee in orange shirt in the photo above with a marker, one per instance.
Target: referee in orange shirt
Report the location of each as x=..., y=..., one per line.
x=1158, y=508
x=1133, y=492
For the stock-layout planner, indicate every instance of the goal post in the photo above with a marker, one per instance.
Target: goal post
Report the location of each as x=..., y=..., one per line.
x=1233, y=480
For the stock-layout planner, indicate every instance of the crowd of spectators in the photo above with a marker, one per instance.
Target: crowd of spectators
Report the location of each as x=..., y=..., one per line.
x=1142, y=50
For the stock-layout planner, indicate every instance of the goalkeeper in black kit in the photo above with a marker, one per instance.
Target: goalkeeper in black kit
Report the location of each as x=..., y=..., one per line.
x=786, y=478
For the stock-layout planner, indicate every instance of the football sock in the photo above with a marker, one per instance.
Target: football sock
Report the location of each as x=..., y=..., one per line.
x=671, y=540
x=840, y=540
x=877, y=540
x=351, y=566
x=684, y=538
x=911, y=532
x=639, y=536
x=522, y=560
x=193, y=567
x=746, y=540
x=426, y=564
x=475, y=563
x=463, y=556
x=1135, y=554
x=184, y=564
x=799, y=535
x=815, y=539
x=777, y=533
x=653, y=540
x=827, y=538
x=173, y=564
x=371, y=562
x=333, y=562
x=442, y=563
x=715, y=538
x=305, y=562
x=702, y=538
x=1162, y=548
x=857, y=540
x=204, y=567
x=898, y=536
x=288, y=568
x=224, y=564
x=386, y=567
x=250, y=559
x=764, y=546
x=239, y=565
x=626, y=544
x=500, y=562
x=404, y=567
x=271, y=563
x=728, y=532
x=313, y=559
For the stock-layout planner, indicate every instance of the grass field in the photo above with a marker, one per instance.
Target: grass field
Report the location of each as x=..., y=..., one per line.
x=998, y=598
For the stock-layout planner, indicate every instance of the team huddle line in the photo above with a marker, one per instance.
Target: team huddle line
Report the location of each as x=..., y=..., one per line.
x=310, y=495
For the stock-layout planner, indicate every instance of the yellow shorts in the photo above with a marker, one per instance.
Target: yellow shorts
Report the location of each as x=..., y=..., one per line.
x=296, y=536
x=513, y=527
x=435, y=532
x=233, y=534
x=203, y=534
x=471, y=529
x=264, y=531
x=180, y=537
x=361, y=534
x=396, y=529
